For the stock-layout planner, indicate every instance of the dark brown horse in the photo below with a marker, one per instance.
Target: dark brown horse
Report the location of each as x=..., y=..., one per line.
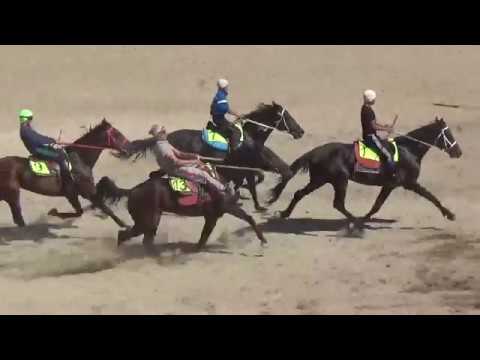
x=333, y=163
x=15, y=174
x=148, y=200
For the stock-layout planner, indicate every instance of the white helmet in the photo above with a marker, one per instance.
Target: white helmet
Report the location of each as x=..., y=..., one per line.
x=222, y=83
x=369, y=95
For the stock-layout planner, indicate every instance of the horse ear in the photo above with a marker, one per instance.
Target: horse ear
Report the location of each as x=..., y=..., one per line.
x=274, y=103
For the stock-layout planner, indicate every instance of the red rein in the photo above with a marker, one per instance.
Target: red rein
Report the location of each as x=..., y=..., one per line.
x=93, y=147
x=84, y=146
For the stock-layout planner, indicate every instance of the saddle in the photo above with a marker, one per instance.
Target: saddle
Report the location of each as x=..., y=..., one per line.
x=212, y=136
x=368, y=160
x=45, y=167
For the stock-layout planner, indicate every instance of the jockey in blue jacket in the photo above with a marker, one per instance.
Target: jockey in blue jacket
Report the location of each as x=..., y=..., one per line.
x=43, y=147
x=218, y=109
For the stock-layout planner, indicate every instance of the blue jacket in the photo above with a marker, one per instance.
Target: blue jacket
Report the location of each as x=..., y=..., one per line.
x=219, y=106
x=33, y=140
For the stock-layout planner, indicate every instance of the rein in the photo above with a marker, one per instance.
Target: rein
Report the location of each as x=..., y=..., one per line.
x=282, y=118
x=447, y=144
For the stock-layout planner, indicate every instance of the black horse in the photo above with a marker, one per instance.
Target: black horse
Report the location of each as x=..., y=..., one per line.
x=253, y=153
x=333, y=163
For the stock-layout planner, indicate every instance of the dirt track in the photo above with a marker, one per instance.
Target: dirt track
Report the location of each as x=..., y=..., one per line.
x=411, y=261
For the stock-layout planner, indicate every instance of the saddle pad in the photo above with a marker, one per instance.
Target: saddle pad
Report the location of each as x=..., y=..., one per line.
x=45, y=167
x=216, y=140
x=368, y=157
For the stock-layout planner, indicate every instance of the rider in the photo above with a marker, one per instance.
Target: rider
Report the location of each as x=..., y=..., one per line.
x=186, y=165
x=219, y=108
x=43, y=147
x=370, y=126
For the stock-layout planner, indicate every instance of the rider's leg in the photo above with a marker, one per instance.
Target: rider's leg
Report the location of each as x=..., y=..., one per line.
x=376, y=143
x=235, y=139
x=229, y=130
x=61, y=159
x=215, y=188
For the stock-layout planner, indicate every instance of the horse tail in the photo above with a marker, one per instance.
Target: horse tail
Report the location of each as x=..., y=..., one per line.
x=107, y=190
x=302, y=163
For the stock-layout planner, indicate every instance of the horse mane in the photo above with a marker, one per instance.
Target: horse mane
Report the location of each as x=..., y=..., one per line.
x=421, y=129
x=103, y=125
x=416, y=133
x=261, y=109
x=138, y=149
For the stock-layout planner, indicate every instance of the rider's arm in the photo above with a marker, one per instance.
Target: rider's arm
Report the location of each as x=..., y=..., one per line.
x=184, y=155
x=380, y=127
x=234, y=113
x=36, y=139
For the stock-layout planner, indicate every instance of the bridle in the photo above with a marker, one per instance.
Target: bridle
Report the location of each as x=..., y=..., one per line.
x=277, y=123
x=111, y=140
x=447, y=144
x=282, y=118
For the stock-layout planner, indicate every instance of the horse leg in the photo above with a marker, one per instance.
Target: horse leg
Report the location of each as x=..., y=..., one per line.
x=340, y=187
x=73, y=200
x=127, y=234
x=420, y=190
x=148, y=238
x=151, y=230
x=14, y=203
x=252, y=187
x=239, y=213
x=313, y=185
x=210, y=222
x=102, y=206
x=384, y=194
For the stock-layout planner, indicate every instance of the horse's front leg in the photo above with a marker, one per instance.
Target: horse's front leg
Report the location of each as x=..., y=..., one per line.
x=73, y=200
x=90, y=193
x=106, y=210
x=420, y=190
x=382, y=196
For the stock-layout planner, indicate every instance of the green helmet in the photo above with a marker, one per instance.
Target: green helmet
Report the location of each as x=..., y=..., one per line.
x=25, y=115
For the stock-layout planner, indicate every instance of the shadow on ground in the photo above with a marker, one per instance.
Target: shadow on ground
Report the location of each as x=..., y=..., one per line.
x=35, y=232
x=304, y=226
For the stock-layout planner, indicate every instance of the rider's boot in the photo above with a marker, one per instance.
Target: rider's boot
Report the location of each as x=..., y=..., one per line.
x=68, y=182
x=390, y=167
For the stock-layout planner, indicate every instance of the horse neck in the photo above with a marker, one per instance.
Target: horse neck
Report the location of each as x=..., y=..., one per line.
x=256, y=132
x=426, y=134
x=89, y=156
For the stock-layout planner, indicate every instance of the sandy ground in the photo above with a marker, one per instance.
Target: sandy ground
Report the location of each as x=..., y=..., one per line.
x=411, y=262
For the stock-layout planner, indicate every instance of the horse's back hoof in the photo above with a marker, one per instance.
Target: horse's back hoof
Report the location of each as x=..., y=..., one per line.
x=122, y=236
x=280, y=214
x=451, y=217
x=53, y=212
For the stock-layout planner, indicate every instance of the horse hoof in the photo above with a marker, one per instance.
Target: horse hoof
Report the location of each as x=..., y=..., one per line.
x=53, y=212
x=122, y=237
x=280, y=214
x=450, y=216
